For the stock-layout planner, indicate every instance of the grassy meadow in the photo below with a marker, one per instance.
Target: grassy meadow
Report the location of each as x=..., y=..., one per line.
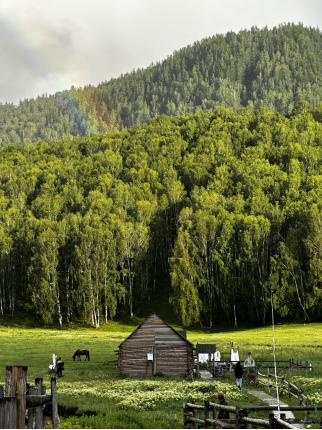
x=105, y=400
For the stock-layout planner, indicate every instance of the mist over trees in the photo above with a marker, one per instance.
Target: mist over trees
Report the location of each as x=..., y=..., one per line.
x=277, y=69
x=215, y=211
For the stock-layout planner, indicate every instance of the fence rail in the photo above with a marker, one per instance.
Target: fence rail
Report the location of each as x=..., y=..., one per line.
x=206, y=416
x=220, y=369
x=284, y=385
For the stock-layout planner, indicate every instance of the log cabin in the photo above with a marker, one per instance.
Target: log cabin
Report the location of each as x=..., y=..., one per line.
x=155, y=348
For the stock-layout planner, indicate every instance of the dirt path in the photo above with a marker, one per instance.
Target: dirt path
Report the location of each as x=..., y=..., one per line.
x=205, y=374
x=271, y=401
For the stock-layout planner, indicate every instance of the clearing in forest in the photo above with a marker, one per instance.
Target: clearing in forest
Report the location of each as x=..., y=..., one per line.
x=156, y=402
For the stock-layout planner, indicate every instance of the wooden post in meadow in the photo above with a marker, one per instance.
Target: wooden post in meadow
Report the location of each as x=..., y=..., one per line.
x=272, y=421
x=8, y=413
x=185, y=411
x=54, y=402
x=35, y=413
x=16, y=386
x=206, y=413
x=214, y=412
x=30, y=422
x=237, y=417
x=39, y=416
x=21, y=387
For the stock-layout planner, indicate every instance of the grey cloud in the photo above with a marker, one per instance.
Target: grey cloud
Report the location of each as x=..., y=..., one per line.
x=49, y=45
x=35, y=55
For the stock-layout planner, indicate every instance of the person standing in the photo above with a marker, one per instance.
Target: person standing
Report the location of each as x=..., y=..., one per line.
x=222, y=414
x=239, y=375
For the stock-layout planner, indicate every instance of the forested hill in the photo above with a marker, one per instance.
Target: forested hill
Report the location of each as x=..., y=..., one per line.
x=213, y=211
x=278, y=69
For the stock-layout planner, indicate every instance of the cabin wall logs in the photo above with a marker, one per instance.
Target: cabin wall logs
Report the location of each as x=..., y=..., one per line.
x=155, y=348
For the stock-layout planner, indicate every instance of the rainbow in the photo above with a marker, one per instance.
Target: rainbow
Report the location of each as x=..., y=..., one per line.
x=78, y=103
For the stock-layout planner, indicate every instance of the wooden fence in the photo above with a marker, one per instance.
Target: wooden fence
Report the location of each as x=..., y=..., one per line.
x=287, y=366
x=23, y=402
x=284, y=386
x=206, y=416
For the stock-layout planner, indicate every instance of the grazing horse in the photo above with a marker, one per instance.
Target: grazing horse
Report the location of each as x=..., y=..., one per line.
x=79, y=352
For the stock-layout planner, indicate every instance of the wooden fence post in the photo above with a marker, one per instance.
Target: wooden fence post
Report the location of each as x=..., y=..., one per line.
x=21, y=386
x=16, y=386
x=13, y=373
x=184, y=416
x=54, y=402
x=31, y=415
x=214, y=412
x=39, y=415
x=206, y=413
x=272, y=421
x=10, y=385
x=194, y=414
x=237, y=417
x=243, y=413
x=8, y=413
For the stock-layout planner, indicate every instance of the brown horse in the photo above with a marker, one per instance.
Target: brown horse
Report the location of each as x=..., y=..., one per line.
x=79, y=352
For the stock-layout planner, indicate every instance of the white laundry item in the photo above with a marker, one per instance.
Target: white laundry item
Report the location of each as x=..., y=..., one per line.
x=217, y=356
x=204, y=358
x=54, y=360
x=234, y=355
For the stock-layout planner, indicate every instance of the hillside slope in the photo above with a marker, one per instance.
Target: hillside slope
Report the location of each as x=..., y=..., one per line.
x=277, y=69
x=213, y=211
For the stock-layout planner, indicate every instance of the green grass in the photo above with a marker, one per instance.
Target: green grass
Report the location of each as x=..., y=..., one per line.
x=153, y=402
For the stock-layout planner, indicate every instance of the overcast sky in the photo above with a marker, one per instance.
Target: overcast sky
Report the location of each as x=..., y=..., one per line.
x=49, y=45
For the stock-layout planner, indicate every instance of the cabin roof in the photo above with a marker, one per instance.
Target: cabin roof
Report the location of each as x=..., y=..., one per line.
x=155, y=316
x=205, y=348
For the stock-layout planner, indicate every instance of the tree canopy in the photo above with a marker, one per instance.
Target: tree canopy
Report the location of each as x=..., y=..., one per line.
x=278, y=69
x=215, y=211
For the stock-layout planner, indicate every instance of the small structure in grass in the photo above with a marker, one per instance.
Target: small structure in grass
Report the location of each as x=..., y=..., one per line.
x=155, y=348
x=205, y=352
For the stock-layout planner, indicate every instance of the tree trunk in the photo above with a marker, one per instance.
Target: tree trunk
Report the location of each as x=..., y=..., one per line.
x=60, y=317
x=131, y=296
x=97, y=318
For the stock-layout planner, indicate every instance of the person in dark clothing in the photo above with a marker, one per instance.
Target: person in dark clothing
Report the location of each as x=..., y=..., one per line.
x=239, y=375
x=222, y=414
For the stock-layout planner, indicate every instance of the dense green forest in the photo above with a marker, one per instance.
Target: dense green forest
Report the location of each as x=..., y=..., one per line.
x=217, y=211
x=276, y=69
